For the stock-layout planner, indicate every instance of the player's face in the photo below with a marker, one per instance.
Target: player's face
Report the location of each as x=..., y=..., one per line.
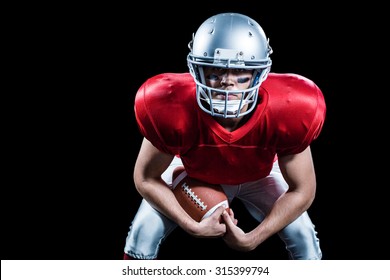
x=228, y=79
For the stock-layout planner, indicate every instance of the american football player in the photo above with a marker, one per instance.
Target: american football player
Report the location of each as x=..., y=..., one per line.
x=228, y=121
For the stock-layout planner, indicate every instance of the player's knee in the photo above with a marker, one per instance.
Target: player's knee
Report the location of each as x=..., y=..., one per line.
x=301, y=240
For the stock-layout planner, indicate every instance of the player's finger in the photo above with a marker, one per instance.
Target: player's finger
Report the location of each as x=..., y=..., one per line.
x=227, y=219
x=218, y=212
x=231, y=214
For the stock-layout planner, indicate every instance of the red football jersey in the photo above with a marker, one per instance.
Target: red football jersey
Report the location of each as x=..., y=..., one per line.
x=289, y=116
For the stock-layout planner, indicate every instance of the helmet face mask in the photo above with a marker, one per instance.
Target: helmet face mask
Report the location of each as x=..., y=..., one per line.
x=229, y=41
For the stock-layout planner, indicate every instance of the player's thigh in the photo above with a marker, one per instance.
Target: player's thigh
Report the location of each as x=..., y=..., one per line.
x=259, y=196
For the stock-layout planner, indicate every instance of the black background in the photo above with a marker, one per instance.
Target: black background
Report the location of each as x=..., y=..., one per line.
x=71, y=137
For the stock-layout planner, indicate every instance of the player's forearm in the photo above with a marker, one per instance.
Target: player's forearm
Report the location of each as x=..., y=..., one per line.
x=286, y=209
x=161, y=197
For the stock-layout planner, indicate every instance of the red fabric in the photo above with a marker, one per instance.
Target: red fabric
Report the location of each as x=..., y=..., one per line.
x=127, y=257
x=289, y=116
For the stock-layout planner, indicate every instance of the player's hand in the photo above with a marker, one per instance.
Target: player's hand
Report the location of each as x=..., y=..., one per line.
x=211, y=226
x=234, y=237
x=231, y=215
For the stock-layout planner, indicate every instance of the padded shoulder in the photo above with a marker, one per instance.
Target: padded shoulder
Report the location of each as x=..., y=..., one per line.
x=165, y=109
x=297, y=110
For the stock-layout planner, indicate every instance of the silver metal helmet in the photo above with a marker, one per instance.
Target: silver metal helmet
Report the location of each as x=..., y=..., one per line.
x=231, y=41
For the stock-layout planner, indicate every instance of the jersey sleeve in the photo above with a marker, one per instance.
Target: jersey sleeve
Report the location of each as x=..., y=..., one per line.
x=302, y=109
x=163, y=108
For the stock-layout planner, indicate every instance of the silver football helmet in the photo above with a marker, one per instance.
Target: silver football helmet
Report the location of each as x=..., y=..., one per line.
x=229, y=40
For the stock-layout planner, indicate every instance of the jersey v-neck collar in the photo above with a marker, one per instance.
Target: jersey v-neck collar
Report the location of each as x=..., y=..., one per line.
x=231, y=137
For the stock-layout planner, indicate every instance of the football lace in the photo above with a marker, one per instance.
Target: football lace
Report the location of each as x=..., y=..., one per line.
x=193, y=196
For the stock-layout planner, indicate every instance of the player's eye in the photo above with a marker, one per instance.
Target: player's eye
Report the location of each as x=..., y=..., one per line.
x=243, y=80
x=212, y=77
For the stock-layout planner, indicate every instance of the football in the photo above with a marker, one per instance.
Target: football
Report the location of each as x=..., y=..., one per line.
x=197, y=198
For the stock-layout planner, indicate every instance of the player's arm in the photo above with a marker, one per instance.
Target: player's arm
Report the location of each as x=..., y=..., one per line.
x=298, y=170
x=149, y=166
